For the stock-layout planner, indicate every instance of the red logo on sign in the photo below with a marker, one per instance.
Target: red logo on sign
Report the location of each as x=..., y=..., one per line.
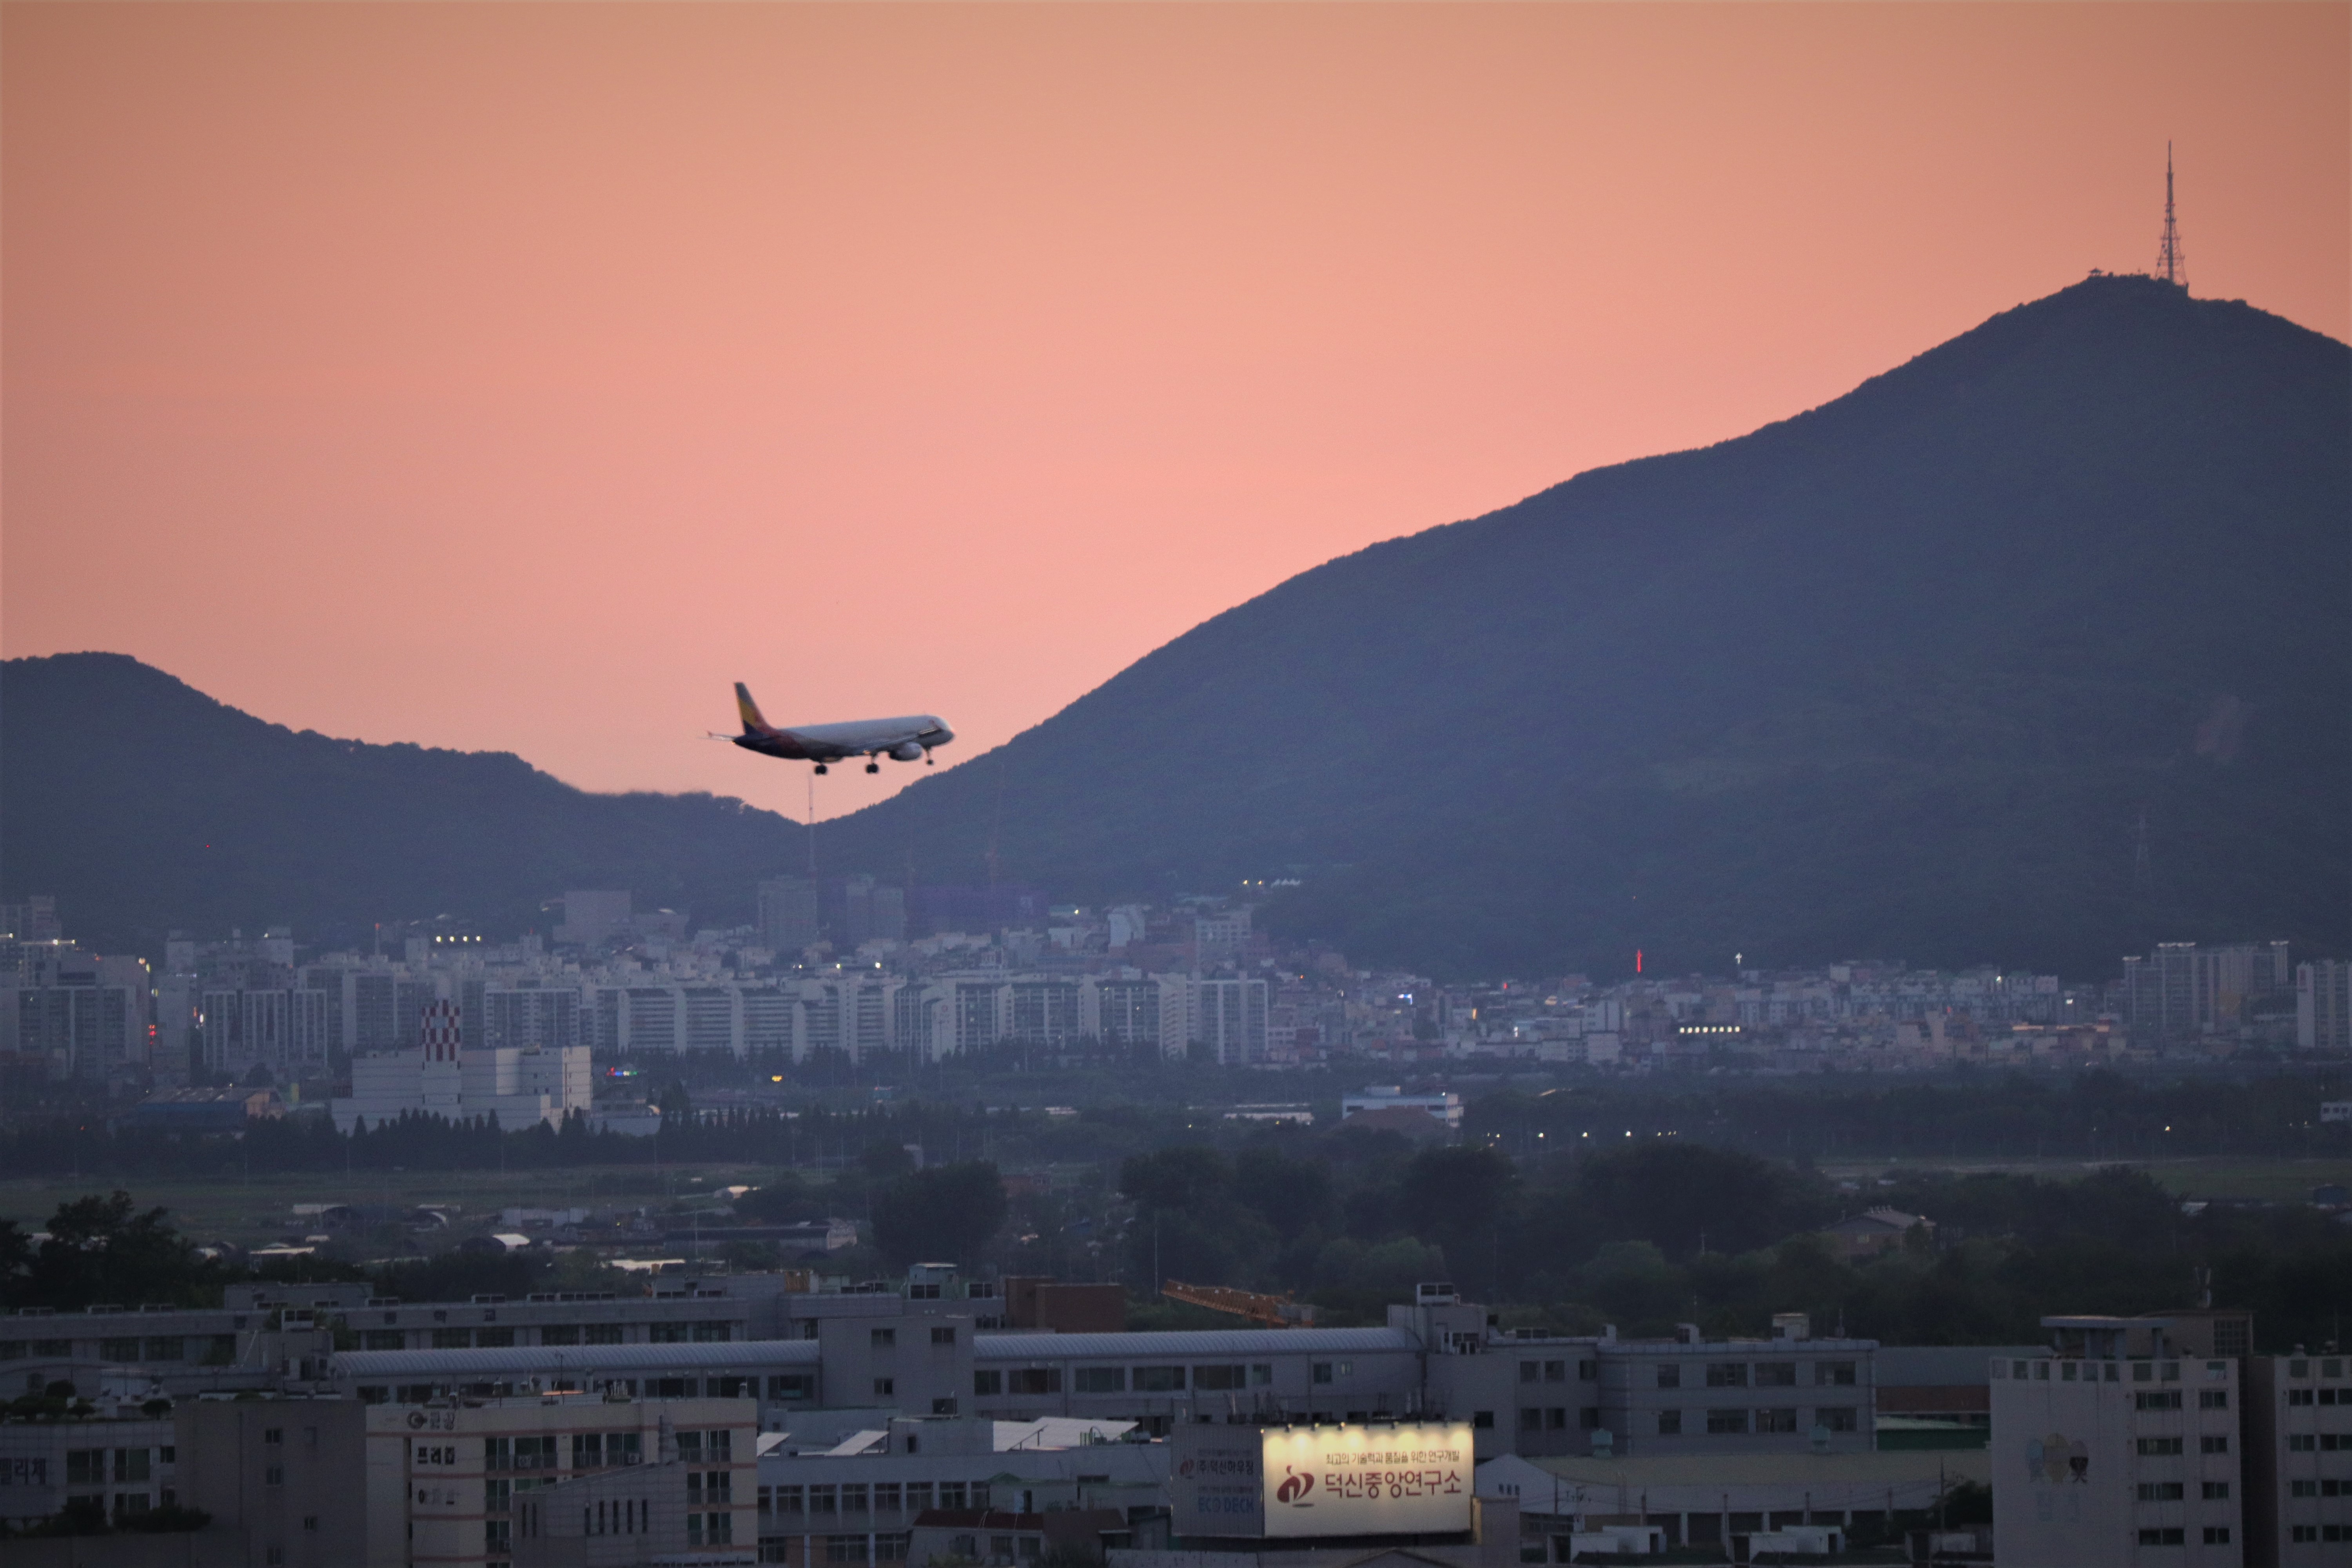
x=1294, y=1487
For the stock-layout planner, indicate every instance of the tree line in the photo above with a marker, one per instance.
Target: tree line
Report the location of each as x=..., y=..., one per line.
x=1666, y=1231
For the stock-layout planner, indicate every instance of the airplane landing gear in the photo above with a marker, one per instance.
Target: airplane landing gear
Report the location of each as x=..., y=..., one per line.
x=926, y=761
x=820, y=767
x=874, y=767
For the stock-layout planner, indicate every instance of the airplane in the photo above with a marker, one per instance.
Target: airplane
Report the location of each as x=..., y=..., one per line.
x=900, y=740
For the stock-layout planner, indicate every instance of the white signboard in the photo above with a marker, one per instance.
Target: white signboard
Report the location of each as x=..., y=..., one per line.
x=1412, y=1478
x=1213, y=1481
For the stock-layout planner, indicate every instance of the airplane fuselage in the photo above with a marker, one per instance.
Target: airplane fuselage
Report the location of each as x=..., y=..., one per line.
x=904, y=740
x=835, y=742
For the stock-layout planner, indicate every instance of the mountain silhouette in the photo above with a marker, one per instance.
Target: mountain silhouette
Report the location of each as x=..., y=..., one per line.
x=1902, y=676
x=2034, y=651
x=145, y=804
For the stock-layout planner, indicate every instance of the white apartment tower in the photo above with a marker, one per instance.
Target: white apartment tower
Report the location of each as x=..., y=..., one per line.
x=2323, y=1005
x=2122, y=1450
x=2298, y=1505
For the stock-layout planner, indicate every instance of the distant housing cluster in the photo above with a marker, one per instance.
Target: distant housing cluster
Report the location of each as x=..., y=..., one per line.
x=445, y=1020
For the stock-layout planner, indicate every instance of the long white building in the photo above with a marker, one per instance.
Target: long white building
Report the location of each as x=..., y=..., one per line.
x=861, y=1016
x=439, y=1077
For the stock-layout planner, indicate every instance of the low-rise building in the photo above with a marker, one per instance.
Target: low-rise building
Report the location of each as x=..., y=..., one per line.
x=1002, y=1539
x=260, y=1337
x=937, y=1350
x=496, y=1478
x=1444, y=1108
x=1789, y=1394
x=778, y=1375
x=440, y=1078
x=207, y=1110
x=1947, y=1383
x=289, y=1476
x=1873, y=1232
x=119, y=1461
x=335, y=1483
x=872, y=1494
x=1722, y=1501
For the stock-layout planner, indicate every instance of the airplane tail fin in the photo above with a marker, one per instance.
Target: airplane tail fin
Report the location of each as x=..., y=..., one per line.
x=753, y=723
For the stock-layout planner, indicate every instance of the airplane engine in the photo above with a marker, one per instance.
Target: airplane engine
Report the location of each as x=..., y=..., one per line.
x=906, y=752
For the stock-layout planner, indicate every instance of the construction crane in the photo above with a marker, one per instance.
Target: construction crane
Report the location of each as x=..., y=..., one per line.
x=1273, y=1311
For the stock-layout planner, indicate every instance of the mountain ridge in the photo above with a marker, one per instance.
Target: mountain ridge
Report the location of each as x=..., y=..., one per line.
x=1979, y=394
x=273, y=825
x=1902, y=673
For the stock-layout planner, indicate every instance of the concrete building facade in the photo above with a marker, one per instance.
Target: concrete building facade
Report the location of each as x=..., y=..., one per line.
x=2119, y=1449
x=441, y=1078
x=2298, y=1461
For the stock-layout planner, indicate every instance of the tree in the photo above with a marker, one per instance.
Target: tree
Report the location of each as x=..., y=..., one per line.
x=1453, y=1196
x=783, y=1201
x=1295, y=1196
x=1190, y=1222
x=1673, y=1193
x=104, y=1249
x=1634, y=1284
x=1184, y=1177
x=947, y=1213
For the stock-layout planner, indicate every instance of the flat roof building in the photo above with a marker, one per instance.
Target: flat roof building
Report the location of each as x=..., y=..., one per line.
x=2124, y=1447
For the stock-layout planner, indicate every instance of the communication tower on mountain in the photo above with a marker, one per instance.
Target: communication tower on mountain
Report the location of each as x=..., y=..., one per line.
x=2170, y=265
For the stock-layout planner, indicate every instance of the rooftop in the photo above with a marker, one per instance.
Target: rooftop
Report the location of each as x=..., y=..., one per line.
x=1187, y=1342
x=510, y=1359
x=1866, y=1466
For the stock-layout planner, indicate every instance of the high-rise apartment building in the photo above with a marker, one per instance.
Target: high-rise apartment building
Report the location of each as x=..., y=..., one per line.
x=592, y=917
x=536, y=1018
x=286, y=1031
x=2323, y=1005
x=1146, y=1013
x=2183, y=990
x=34, y=920
x=85, y=1031
x=870, y=912
x=788, y=914
x=1229, y=1018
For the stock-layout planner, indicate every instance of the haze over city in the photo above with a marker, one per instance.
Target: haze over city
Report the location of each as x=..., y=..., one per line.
x=1586, y=777
x=515, y=378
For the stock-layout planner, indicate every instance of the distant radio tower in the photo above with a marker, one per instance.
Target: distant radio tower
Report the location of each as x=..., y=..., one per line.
x=2170, y=265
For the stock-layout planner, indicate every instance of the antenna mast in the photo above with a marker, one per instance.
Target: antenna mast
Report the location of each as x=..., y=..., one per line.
x=2170, y=265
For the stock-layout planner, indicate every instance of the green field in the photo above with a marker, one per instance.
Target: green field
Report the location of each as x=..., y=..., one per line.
x=260, y=1211
x=254, y=1213
x=2209, y=1176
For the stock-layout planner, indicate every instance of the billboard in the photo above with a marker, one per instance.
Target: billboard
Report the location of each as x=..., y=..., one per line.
x=1215, y=1481
x=1411, y=1479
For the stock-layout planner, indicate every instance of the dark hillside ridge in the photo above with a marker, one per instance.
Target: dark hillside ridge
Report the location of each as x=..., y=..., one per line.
x=145, y=804
x=1898, y=677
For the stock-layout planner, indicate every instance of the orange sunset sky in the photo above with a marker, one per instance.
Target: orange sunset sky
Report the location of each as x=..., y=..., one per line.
x=518, y=376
